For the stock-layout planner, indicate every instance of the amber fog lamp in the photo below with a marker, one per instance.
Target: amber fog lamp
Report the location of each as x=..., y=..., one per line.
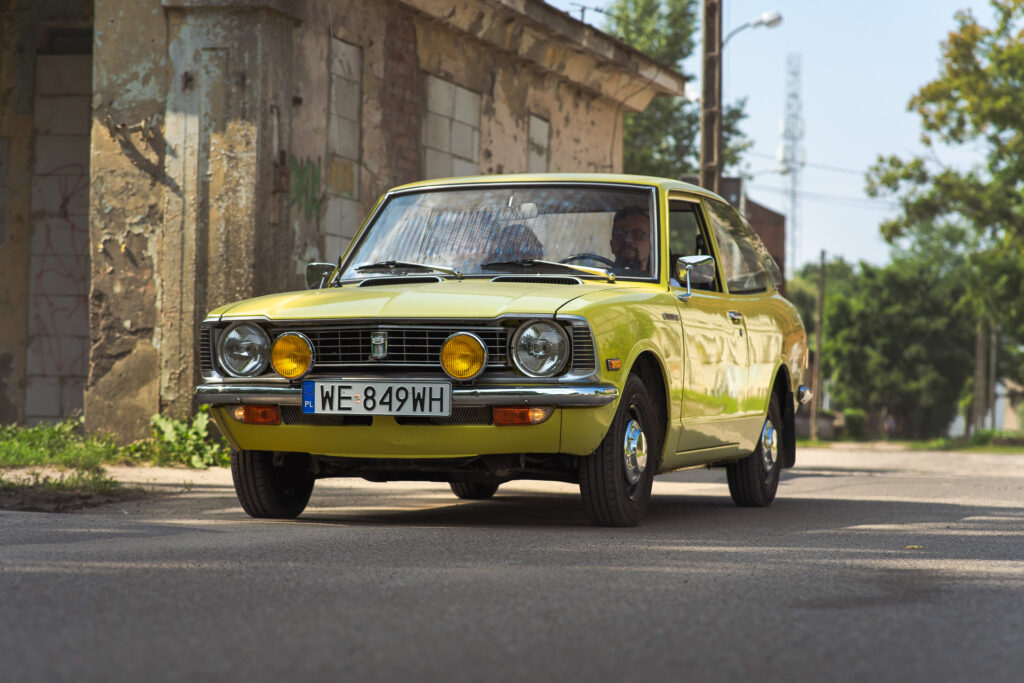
x=463, y=356
x=291, y=355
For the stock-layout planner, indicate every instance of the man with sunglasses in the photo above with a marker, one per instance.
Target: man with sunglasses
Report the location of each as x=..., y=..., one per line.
x=631, y=239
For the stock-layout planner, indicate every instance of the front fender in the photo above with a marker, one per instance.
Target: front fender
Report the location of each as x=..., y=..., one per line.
x=626, y=323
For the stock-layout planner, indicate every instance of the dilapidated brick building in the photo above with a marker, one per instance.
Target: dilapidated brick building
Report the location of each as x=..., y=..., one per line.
x=161, y=157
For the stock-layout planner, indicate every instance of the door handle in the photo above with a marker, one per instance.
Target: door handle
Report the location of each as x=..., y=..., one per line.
x=736, y=317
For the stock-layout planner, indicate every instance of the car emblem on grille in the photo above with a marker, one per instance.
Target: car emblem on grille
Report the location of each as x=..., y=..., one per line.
x=378, y=345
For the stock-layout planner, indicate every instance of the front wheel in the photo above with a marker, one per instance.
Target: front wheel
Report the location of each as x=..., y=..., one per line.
x=270, y=484
x=754, y=480
x=616, y=479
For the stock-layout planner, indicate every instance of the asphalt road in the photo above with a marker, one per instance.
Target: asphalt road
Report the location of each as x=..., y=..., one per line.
x=871, y=565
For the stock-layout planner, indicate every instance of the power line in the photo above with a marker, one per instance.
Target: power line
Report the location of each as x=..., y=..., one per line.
x=841, y=200
x=823, y=167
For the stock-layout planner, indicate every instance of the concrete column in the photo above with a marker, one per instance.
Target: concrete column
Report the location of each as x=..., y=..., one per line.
x=227, y=127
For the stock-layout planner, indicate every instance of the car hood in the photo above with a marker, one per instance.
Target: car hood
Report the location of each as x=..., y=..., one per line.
x=445, y=299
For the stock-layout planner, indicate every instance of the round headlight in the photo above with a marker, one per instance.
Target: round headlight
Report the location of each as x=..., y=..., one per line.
x=463, y=356
x=540, y=348
x=244, y=349
x=291, y=355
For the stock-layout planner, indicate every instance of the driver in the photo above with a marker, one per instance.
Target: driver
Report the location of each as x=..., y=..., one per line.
x=631, y=239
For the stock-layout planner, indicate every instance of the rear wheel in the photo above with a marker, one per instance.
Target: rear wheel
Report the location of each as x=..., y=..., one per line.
x=473, y=490
x=616, y=479
x=270, y=484
x=754, y=480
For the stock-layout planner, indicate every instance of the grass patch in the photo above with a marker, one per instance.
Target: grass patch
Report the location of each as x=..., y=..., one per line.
x=34, y=491
x=66, y=445
x=979, y=442
x=75, y=461
x=60, y=445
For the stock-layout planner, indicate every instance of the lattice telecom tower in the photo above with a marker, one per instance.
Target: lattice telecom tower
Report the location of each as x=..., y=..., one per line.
x=791, y=155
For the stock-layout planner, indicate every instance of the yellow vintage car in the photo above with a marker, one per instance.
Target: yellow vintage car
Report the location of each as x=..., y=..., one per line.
x=588, y=328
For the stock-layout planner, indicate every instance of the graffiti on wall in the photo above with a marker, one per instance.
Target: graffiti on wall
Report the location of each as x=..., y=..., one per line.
x=58, y=307
x=305, y=187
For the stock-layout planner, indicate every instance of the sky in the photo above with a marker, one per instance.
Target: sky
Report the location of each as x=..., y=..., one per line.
x=861, y=62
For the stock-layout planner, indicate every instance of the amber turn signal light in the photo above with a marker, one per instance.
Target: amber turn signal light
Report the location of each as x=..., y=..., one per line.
x=257, y=415
x=521, y=415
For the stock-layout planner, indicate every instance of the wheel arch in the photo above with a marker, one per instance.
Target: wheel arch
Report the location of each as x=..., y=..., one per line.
x=783, y=388
x=648, y=366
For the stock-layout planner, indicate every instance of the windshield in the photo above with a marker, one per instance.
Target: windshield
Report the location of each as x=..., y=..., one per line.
x=508, y=229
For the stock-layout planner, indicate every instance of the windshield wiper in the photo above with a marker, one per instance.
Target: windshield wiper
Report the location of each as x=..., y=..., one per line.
x=409, y=265
x=529, y=262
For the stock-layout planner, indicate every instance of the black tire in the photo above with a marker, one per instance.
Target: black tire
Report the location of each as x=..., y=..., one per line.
x=754, y=480
x=471, y=490
x=615, y=487
x=269, y=489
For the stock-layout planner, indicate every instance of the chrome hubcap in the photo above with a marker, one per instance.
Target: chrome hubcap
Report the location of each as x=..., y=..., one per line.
x=768, y=445
x=634, y=448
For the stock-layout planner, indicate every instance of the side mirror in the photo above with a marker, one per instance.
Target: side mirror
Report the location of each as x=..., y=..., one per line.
x=698, y=270
x=317, y=274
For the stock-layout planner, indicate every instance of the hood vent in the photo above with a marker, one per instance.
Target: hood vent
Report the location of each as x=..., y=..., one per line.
x=379, y=281
x=538, y=280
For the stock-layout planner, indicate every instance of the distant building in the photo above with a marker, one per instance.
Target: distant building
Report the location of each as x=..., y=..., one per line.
x=161, y=157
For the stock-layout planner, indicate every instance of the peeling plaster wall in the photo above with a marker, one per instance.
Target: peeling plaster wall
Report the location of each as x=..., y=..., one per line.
x=586, y=130
x=191, y=131
x=228, y=120
x=127, y=185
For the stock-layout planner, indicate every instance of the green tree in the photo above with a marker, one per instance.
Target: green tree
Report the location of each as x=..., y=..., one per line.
x=892, y=346
x=663, y=139
x=802, y=288
x=976, y=102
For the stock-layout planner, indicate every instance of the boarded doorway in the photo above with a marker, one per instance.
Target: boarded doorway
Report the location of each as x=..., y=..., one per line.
x=58, y=352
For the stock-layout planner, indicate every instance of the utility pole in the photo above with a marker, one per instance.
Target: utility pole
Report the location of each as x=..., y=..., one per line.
x=819, y=323
x=791, y=154
x=993, y=335
x=978, y=396
x=711, y=98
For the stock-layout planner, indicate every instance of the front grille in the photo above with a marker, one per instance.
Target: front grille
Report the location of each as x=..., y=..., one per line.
x=460, y=416
x=205, y=350
x=341, y=347
x=293, y=415
x=583, y=356
x=349, y=346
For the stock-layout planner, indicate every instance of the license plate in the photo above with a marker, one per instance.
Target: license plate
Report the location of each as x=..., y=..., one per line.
x=429, y=399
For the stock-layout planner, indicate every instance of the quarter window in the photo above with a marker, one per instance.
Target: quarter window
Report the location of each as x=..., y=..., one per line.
x=746, y=264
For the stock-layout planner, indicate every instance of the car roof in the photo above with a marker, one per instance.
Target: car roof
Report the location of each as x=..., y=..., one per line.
x=532, y=178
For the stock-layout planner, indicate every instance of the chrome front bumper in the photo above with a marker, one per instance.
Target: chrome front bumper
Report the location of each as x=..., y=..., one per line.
x=521, y=395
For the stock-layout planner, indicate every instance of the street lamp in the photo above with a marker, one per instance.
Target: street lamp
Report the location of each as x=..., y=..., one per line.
x=711, y=113
x=767, y=19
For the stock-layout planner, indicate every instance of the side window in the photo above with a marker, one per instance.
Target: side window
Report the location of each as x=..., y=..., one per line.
x=745, y=260
x=686, y=238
